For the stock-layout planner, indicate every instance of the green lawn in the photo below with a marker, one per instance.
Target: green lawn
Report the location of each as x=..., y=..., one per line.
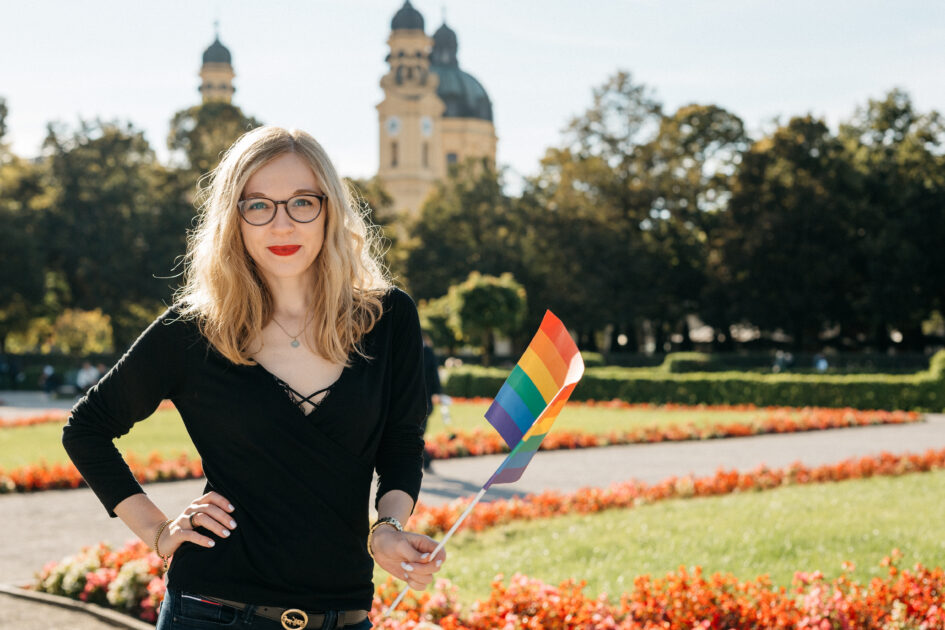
x=466, y=417
x=164, y=432
x=776, y=532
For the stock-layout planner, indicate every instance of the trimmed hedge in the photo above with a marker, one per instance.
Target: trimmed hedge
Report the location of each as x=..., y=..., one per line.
x=922, y=391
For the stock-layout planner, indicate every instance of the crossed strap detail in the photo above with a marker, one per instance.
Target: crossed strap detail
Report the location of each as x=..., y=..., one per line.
x=300, y=399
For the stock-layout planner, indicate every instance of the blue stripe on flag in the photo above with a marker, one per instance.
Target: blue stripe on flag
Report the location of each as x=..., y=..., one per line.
x=509, y=399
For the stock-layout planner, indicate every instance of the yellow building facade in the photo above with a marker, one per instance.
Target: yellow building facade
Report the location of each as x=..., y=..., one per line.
x=433, y=114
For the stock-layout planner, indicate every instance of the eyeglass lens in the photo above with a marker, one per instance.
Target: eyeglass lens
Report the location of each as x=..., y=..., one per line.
x=260, y=210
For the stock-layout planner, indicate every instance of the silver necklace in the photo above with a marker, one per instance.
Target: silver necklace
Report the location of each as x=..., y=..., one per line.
x=295, y=343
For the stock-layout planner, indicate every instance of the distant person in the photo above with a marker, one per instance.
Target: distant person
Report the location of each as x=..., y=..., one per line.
x=431, y=378
x=86, y=377
x=6, y=373
x=47, y=380
x=820, y=363
x=298, y=372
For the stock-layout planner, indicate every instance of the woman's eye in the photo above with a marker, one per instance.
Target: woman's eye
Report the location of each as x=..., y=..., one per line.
x=302, y=202
x=257, y=205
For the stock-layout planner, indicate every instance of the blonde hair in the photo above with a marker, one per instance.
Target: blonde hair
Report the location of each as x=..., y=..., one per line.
x=228, y=296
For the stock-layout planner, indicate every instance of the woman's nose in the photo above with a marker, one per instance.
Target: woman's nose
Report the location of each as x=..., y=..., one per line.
x=282, y=220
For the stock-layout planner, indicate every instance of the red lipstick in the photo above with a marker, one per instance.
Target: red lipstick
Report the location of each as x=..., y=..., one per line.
x=284, y=250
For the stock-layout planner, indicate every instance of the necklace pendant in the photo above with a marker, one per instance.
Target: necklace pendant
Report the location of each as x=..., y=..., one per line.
x=295, y=343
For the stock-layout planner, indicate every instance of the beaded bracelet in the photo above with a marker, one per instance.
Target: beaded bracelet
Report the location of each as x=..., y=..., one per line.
x=157, y=537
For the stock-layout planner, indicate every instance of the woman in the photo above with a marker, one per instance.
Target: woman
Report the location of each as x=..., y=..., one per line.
x=281, y=298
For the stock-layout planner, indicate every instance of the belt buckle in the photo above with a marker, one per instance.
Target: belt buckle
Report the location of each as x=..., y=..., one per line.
x=293, y=618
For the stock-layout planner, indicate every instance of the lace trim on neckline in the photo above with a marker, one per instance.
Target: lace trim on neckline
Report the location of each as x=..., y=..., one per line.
x=299, y=399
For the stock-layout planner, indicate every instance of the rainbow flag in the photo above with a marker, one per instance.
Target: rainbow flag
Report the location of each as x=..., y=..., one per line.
x=533, y=395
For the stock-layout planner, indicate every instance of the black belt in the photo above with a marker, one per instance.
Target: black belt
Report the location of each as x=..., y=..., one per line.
x=296, y=619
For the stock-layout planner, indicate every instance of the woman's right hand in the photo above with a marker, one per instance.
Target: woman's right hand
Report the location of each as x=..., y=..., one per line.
x=211, y=512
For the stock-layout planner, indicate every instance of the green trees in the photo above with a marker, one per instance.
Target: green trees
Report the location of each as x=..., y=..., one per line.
x=641, y=219
x=22, y=253
x=465, y=225
x=105, y=221
x=99, y=223
x=476, y=311
x=786, y=241
x=202, y=133
x=899, y=154
x=637, y=221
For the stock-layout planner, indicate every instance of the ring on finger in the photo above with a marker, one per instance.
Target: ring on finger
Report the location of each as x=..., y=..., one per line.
x=192, y=525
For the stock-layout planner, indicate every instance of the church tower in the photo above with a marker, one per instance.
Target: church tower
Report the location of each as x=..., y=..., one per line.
x=433, y=114
x=216, y=73
x=409, y=136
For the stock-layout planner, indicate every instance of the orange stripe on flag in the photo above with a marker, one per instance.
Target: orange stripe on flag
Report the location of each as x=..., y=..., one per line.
x=548, y=353
x=548, y=418
x=536, y=370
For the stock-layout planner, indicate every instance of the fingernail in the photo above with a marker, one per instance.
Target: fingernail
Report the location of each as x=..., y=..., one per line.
x=232, y=523
x=438, y=563
x=406, y=567
x=211, y=543
x=231, y=507
x=226, y=532
x=425, y=556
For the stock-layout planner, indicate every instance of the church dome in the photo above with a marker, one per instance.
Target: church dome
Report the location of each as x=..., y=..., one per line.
x=444, y=46
x=217, y=53
x=407, y=18
x=462, y=94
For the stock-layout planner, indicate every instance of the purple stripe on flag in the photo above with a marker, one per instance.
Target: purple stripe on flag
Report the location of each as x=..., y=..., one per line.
x=513, y=404
x=503, y=423
x=506, y=475
x=520, y=459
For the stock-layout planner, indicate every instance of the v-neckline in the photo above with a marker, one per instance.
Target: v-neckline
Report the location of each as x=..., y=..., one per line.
x=278, y=382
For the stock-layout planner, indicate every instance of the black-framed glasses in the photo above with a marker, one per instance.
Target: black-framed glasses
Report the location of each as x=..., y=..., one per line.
x=300, y=208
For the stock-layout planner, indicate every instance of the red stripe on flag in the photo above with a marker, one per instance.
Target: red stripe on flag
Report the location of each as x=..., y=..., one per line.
x=559, y=336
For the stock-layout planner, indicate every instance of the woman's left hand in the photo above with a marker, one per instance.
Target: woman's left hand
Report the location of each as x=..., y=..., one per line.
x=406, y=556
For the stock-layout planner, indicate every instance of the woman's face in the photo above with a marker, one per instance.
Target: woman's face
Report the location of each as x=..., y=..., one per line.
x=283, y=248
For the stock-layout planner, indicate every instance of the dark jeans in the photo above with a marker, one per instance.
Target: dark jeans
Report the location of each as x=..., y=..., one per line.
x=184, y=611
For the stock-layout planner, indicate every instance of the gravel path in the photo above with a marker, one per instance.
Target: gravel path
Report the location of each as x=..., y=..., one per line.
x=21, y=614
x=44, y=526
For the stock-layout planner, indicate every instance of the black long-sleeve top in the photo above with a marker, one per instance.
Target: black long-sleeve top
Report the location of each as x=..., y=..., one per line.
x=300, y=483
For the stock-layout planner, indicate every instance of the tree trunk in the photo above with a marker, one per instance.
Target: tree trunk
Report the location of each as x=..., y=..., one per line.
x=659, y=336
x=487, y=348
x=686, y=345
x=913, y=339
x=881, y=337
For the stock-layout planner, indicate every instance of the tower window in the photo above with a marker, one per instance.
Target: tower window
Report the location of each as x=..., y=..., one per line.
x=393, y=154
x=452, y=158
x=426, y=155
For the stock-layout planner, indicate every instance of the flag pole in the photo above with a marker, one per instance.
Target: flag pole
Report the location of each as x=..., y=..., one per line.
x=440, y=546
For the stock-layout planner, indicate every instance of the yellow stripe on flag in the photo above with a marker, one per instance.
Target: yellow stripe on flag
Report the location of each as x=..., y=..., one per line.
x=532, y=365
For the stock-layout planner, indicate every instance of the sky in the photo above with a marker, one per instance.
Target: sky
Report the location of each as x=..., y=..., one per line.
x=317, y=64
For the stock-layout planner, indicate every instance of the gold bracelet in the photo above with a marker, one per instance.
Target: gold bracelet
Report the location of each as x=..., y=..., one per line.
x=387, y=520
x=157, y=537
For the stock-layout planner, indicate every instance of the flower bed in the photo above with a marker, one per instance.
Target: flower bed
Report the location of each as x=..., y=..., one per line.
x=434, y=520
x=44, y=476
x=683, y=600
x=129, y=580
x=776, y=420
